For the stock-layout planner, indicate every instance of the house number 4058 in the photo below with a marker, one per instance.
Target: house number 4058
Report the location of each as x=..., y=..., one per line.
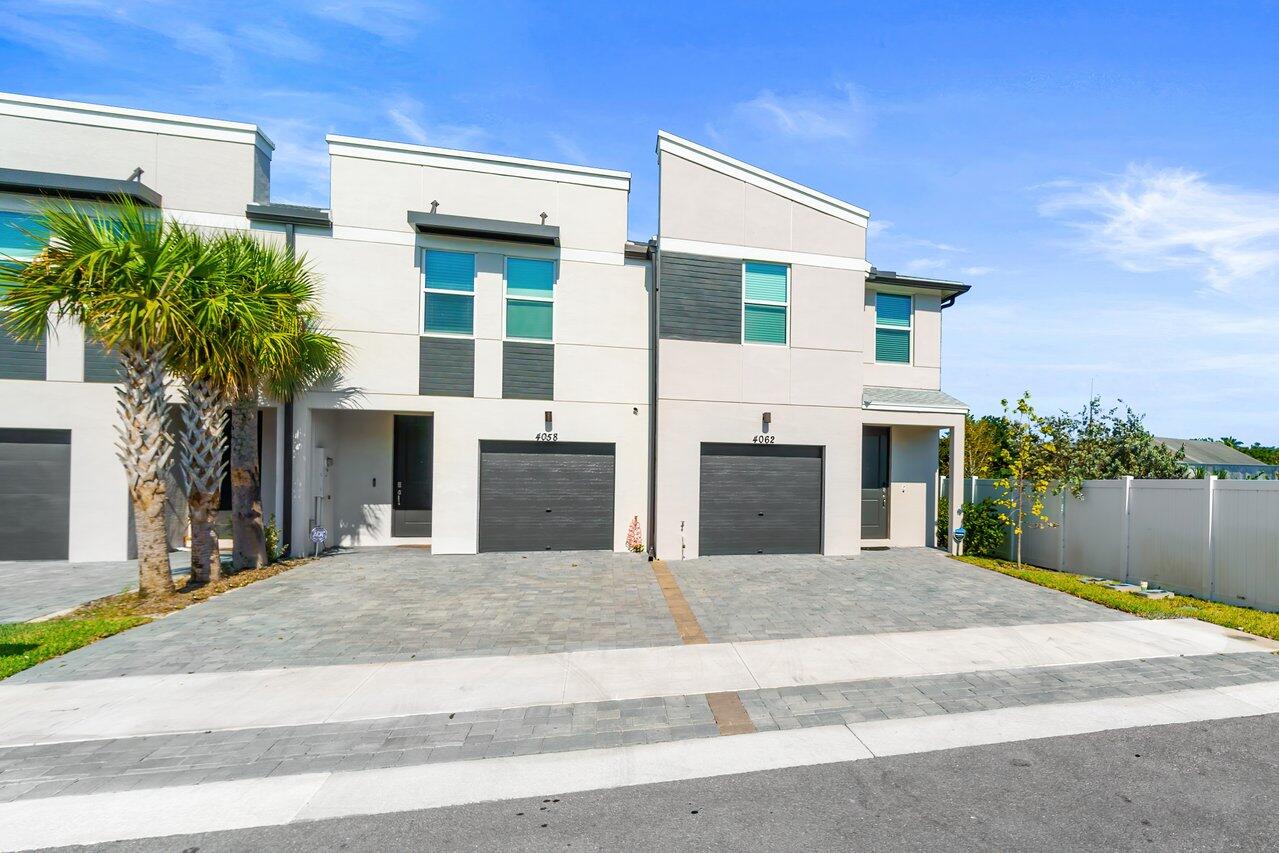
x=548, y=436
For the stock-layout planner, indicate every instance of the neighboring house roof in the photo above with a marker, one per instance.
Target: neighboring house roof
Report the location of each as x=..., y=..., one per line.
x=1201, y=452
x=910, y=399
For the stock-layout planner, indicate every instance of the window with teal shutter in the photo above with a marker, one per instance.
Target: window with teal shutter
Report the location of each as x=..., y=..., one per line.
x=893, y=325
x=766, y=297
x=530, y=299
x=449, y=304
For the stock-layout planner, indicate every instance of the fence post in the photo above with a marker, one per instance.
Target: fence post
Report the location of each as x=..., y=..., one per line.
x=1126, y=529
x=1061, y=540
x=1210, y=562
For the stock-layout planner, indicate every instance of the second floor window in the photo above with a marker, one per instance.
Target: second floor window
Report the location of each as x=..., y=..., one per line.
x=893, y=327
x=765, y=299
x=448, y=306
x=530, y=299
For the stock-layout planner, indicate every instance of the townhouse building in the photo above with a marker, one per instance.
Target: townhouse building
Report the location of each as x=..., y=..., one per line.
x=522, y=376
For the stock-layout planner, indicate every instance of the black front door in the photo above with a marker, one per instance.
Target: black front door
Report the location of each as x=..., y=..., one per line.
x=875, y=482
x=411, y=488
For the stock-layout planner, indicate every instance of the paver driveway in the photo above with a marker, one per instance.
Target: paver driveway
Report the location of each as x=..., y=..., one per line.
x=398, y=604
x=30, y=589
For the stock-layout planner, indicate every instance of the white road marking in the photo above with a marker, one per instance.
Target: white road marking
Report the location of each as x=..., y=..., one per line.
x=275, y=801
x=53, y=712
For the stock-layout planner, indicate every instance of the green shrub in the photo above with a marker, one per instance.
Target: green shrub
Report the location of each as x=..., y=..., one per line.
x=275, y=549
x=984, y=533
x=943, y=522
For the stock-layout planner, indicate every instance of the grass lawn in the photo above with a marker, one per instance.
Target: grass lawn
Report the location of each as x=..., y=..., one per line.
x=1179, y=606
x=25, y=644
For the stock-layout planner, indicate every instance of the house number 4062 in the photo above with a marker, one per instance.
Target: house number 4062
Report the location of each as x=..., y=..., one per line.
x=764, y=439
x=548, y=436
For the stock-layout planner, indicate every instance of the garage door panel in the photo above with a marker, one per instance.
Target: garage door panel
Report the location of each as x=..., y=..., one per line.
x=546, y=496
x=35, y=494
x=760, y=499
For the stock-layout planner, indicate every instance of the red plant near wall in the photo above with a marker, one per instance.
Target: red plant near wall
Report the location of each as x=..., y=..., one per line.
x=634, y=536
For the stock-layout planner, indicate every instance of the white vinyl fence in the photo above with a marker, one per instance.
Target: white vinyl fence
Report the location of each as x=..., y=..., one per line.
x=1215, y=539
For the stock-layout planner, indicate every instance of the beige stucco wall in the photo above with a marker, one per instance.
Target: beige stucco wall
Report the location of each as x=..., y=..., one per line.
x=718, y=392
x=202, y=175
x=699, y=203
x=924, y=371
x=357, y=434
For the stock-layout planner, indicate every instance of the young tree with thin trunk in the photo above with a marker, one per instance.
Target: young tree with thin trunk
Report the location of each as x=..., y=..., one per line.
x=122, y=274
x=1026, y=460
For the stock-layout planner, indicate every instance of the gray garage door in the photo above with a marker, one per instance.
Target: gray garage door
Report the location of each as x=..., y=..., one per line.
x=35, y=493
x=546, y=496
x=761, y=499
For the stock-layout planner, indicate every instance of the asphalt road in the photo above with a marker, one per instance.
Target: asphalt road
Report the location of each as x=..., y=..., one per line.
x=1200, y=786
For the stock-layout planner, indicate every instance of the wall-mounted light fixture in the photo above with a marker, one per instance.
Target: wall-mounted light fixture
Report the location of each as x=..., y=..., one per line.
x=548, y=418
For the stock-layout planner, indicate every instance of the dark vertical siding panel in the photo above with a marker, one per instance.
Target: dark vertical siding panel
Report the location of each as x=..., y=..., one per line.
x=701, y=298
x=100, y=364
x=760, y=499
x=446, y=367
x=22, y=359
x=528, y=371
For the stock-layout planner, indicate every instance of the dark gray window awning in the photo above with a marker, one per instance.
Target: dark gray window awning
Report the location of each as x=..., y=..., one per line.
x=76, y=186
x=289, y=214
x=485, y=229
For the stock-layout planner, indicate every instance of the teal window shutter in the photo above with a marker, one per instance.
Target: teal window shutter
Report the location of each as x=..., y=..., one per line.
x=892, y=309
x=450, y=271
x=765, y=324
x=892, y=345
x=530, y=278
x=530, y=295
x=529, y=319
x=21, y=238
x=765, y=283
x=893, y=327
x=765, y=300
x=450, y=313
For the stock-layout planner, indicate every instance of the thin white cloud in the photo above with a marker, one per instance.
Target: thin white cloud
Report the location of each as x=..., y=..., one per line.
x=395, y=21
x=567, y=147
x=920, y=265
x=807, y=116
x=1157, y=220
x=407, y=114
x=976, y=271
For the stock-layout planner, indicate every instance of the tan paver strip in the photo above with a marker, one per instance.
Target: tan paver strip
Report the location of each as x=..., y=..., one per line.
x=730, y=713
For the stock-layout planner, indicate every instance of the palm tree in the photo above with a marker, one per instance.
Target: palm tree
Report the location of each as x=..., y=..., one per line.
x=282, y=352
x=123, y=276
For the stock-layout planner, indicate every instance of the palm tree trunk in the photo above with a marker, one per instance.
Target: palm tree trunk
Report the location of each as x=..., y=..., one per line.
x=246, y=502
x=203, y=440
x=144, y=448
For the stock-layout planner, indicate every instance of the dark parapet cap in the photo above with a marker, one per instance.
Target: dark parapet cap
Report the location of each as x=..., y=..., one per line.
x=948, y=290
x=76, y=186
x=638, y=251
x=289, y=214
x=484, y=229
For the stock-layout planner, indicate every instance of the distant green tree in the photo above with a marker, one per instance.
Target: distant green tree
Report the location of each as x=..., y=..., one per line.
x=1105, y=444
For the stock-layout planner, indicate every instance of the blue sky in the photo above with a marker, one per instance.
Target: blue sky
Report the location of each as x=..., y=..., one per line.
x=1104, y=175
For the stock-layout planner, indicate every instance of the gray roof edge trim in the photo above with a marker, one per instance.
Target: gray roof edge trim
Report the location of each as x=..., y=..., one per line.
x=292, y=214
x=484, y=229
x=76, y=186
